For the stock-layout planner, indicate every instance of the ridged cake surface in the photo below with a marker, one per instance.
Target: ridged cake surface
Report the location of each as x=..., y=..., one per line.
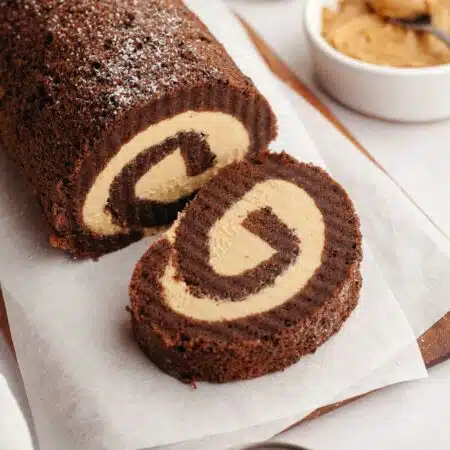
x=261, y=268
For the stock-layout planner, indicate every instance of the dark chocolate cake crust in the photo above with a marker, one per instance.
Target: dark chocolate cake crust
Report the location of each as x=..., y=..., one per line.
x=80, y=78
x=191, y=346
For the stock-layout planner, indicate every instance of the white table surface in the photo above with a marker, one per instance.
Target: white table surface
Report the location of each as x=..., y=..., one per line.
x=411, y=416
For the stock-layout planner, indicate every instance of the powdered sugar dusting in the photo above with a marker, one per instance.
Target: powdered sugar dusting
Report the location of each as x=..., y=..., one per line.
x=124, y=52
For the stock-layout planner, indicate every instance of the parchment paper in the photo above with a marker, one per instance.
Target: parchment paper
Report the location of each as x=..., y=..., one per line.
x=413, y=255
x=404, y=366
x=416, y=157
x=88, y=384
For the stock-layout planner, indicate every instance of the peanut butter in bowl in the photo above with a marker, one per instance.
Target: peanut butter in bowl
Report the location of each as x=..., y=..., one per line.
x=399, y=9
x=358, y=28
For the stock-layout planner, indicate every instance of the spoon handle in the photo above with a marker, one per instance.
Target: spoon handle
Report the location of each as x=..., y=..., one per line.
x=440, y=34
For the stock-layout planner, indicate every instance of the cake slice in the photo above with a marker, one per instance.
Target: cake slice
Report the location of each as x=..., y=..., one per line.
x=117, y=111
x=261, y=268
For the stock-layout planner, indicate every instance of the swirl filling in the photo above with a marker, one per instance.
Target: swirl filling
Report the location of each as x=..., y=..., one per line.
x=258, y=254
x=260, y=269
x=167, y=162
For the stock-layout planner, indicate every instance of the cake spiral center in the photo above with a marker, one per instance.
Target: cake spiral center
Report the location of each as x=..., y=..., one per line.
x=218, y=137
x=296, y=223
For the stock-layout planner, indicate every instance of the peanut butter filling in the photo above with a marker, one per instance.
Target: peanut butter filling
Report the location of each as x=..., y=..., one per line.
x=166, y=181
x=400, y=9
x=358, y=28
x=233, y=250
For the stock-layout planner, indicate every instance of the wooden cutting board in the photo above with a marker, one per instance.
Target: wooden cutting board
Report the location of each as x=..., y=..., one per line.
x=435, y=343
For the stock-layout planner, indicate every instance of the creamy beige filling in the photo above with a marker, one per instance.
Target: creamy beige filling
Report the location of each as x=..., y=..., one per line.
x=233, y=249
x=363, y=33
x=401, y=9
x=166, y=181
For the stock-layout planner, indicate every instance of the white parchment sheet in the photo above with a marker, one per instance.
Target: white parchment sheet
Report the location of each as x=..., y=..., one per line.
x=413, y=255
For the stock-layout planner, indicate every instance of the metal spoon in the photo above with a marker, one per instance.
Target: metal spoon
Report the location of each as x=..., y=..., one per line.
x=423, y=23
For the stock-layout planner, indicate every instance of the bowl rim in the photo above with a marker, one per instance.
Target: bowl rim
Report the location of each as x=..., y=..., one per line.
x=310, y=6
x=272, y=445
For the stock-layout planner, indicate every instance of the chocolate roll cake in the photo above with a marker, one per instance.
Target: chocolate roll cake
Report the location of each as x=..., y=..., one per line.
x=261, y=268
x=117, y=111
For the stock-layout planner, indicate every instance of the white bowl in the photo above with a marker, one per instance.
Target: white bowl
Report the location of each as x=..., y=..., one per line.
x=399, y=94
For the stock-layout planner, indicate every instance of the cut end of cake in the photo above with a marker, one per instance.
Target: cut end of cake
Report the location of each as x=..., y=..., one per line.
x=117, y=112
x=261, y=268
